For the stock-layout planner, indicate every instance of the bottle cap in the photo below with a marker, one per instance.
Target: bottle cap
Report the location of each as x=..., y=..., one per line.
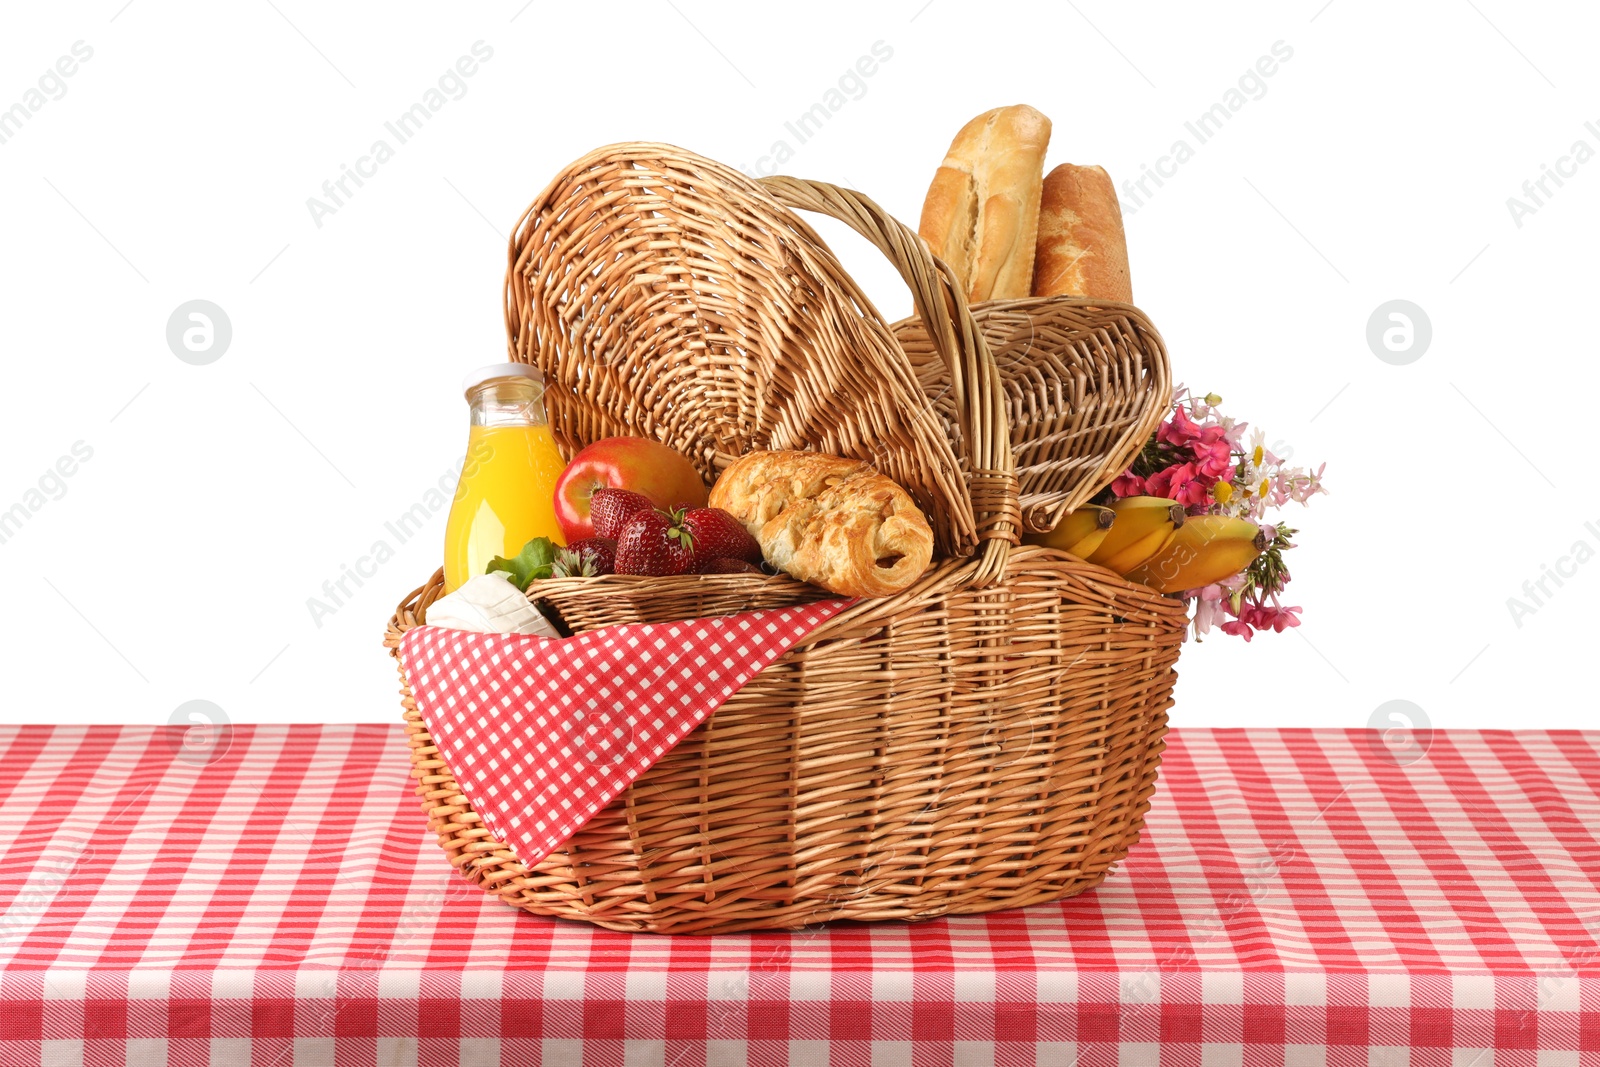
x=499, y=370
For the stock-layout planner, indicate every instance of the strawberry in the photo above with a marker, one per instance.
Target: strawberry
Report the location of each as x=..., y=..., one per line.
x=718, y=535
x=610, y=509
x=586, y=558
x=654, y=543
x=726, y=566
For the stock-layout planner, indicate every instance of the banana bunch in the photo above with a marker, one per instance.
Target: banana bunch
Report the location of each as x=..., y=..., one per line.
x=1141, y=526
x=1079, y=533
x=1150, y=540
x=1205, y=549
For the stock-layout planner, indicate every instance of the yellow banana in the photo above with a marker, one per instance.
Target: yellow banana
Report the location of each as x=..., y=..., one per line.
x=1141, y=550
x=1206, y=549
x=1082, y=548
x=1142, y=526
x=1079, y=532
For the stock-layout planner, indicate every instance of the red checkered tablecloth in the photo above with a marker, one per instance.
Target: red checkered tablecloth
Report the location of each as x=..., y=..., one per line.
x=1299, y=898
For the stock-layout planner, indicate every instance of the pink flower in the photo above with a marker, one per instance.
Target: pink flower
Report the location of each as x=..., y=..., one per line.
x=1181, y=482
x=1303, y=488
x=1264, y=617
x=1236, y=627
x=1196, y=496
x=1162, y=482
x=1214, y=459
x=1128, y=484
x=1276, y=618
x=1207, y=609
x=1178, y=430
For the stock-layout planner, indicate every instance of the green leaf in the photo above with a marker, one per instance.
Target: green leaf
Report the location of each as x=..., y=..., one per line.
x=529, y=565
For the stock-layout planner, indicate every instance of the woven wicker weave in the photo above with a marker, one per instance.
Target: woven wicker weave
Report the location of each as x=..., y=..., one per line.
x=1085, y=384
x=985, y=739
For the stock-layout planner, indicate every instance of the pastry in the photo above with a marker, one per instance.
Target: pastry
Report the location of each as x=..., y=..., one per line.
x=981, y=214
x=830, y=521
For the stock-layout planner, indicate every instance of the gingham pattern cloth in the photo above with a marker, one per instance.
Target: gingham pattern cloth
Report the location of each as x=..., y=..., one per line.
x=1299, y=898
x=541, y=734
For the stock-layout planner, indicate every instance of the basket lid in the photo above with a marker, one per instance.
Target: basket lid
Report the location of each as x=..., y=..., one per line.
x=669, y=296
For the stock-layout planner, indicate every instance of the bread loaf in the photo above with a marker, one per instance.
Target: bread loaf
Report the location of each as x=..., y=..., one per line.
x=830, y=521
x=1081, y=249
x=981, y=214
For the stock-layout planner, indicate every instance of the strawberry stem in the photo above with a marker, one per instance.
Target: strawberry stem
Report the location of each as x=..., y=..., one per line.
x=678, y=531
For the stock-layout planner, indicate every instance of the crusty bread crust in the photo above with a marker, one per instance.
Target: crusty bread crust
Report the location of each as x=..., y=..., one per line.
x=981, y=214
x=1082, y=250
x=830, y=521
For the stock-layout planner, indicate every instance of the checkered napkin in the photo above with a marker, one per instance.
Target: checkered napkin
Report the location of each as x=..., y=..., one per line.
x=541, y=734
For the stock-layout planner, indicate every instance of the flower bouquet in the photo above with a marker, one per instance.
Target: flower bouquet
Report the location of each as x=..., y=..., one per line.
x=1200, y=458
x=1189, y=518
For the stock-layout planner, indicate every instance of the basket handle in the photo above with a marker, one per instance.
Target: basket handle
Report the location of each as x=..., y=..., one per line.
x=974, y=378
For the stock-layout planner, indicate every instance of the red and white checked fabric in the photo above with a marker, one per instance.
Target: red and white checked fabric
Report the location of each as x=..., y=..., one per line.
x=1298, y=899
x=542, y=733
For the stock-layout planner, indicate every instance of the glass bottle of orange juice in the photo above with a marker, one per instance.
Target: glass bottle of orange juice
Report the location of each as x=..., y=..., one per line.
x=505, y=496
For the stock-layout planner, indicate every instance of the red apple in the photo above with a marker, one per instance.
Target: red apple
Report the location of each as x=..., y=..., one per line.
x=636, y=463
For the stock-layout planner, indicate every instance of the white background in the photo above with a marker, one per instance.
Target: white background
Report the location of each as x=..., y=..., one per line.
x=1377, y=165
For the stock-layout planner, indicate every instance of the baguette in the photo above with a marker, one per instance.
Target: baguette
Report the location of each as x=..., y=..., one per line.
x=830, y=521
x=1082, y=250
x=981, y=215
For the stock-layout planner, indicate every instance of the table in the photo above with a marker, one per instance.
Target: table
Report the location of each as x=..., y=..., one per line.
x=1301, y=897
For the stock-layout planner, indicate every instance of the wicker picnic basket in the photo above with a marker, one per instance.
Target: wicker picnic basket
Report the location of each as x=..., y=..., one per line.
x=985, y=739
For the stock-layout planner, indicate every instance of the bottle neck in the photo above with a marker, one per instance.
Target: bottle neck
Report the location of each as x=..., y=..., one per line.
x=508, y=402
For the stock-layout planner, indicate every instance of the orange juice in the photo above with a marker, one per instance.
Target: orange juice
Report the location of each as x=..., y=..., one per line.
x=504, y=497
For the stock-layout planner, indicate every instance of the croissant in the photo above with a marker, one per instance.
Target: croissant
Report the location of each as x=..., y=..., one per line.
x=830, y=521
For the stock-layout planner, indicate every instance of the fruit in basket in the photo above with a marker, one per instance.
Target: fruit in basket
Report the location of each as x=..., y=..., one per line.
x=610, y=510
x=655, y=543
x=1138, y=552
x=1091, y=541
x=636, y=463
x=1205, y=549
x=1141, y=527
x=589, y=558
x=1079, y=532
x=718, y=535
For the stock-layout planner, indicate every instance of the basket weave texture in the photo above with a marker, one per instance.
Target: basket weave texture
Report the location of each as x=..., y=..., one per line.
x=987, y=738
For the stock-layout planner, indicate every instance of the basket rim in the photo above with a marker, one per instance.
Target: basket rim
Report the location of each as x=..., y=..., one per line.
x=864, y=609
